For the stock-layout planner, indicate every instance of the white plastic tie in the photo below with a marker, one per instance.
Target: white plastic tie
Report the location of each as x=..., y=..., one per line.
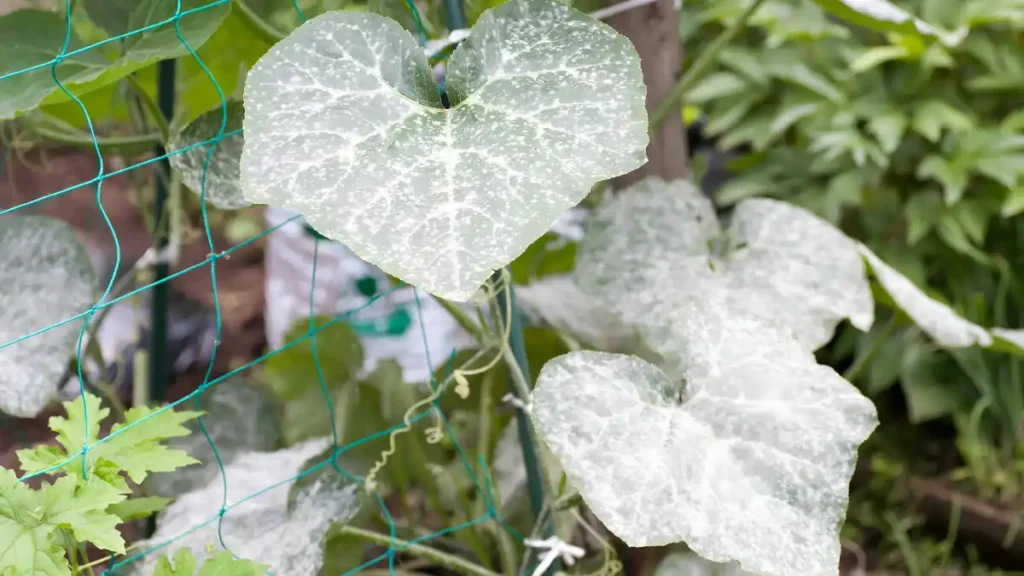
x=556, y=549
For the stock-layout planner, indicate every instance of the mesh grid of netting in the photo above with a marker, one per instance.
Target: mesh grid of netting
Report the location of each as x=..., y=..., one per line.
x=287, y=531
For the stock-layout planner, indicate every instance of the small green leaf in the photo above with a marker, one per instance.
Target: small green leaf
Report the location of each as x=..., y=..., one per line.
x=877, y=55
x=885, y=16
x=136, y=451
x=46, y=278
x=888, y=129
x=932, y=116
x=953, y=176
x=802, y=75
x=1013, y=204
x=441, y=197
x=141, y=507
x=717, y=85
x=184, y=564
x=225, y=564
x=223, y=188
x=922, y=212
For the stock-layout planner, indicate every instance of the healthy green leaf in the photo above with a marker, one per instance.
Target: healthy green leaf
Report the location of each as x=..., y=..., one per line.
x=135, y=508
x=745, y=453
x=33, y=38
x=931, y=392
x=344, y=124
x=222, y=563
x=932, y=116
x=137, y=451
x=936, y=319
x=884, y=16
x=1013, y=204
x=779, y=261
x=292, y=372
x=28, y=519
x=223, y=189
x=46, y=277
x=717, y=85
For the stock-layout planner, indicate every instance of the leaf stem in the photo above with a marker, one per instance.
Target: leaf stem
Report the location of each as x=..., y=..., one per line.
x=864, y=359
x=128, y=145
x=150, y=105
x=704, y=61
x=258, y=25
x=449, y=561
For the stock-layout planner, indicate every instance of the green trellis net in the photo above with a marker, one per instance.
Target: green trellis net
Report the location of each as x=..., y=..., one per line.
x=68, y=52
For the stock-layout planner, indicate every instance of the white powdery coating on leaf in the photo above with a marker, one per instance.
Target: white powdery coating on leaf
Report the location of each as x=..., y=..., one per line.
x=936, y=319
x=652, y=243
x=260, y=529
x=223, y=188
x=344, y=124
x=557, y=301
x=45, y=277
x=751, y=462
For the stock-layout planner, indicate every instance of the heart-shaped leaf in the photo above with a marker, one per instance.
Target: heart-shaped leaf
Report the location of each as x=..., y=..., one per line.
x=660, y=240
x=223, y=189
x=749, y=460
x=343, y=123
x=936, y=319
x=46, y=277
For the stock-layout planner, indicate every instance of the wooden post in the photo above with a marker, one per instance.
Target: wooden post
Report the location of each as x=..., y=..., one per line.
x=654, y=31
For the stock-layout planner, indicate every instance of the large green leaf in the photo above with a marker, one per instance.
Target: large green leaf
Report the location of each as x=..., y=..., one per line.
x=28, y=519
x=885, y=16
x=779, y=261
x=31, y=39
x=260, y=528
x=344, y=124
x=46, y=277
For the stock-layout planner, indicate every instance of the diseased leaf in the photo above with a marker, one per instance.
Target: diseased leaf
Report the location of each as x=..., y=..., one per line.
x=749, y=460
x=558, y=302
x=936, y=319
x=223, y=189
x=885, y=16
x=137, y=451
x=29, y=517
x=259, y=528
x=778, y=261
x=46, y=277
x=238, y=417
x=345, y=125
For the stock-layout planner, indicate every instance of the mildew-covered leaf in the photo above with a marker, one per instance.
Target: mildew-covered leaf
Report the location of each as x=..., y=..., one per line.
x=223, y=188
x=45, y=277
x=557, y=301
x=343, y=123
x=261, y=528
x=934, y=318
x=659, y=240
x=885, y=16
x=743, y=447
